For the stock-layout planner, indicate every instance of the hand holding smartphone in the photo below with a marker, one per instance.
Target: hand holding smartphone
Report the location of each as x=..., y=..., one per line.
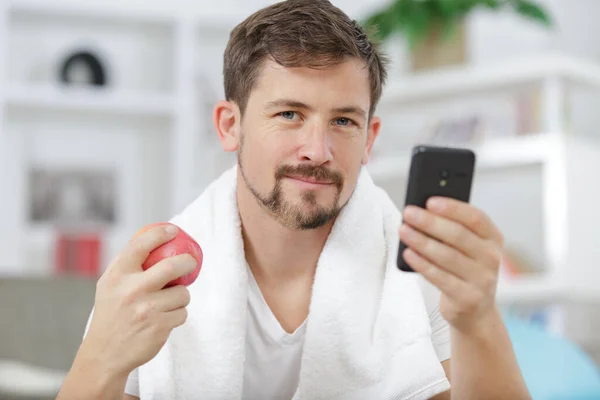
x=437, y=171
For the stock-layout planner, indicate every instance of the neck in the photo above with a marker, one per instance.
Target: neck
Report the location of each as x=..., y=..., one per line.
x=274, y=252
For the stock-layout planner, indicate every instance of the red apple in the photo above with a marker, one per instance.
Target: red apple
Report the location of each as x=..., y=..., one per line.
x=181, y=244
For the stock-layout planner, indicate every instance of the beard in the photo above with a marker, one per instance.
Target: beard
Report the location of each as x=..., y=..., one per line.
x=307, y=213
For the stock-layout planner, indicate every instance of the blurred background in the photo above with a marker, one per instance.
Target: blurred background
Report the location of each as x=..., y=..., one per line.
x=105, y=126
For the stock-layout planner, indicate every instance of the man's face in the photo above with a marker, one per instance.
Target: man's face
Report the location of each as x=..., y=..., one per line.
x=303, y=139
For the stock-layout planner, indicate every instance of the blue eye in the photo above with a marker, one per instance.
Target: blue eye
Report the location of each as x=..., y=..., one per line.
x=288, y=115
x=343, y=121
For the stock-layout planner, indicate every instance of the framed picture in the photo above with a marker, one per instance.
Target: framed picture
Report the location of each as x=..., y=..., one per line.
x=72, y=197
x=458, y=131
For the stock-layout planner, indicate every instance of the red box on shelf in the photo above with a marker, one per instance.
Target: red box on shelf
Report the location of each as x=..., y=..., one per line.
x=78, y=254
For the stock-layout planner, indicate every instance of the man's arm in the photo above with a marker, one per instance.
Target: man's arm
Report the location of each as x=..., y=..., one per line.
x=458, y=249
x=447, y=394
x=483, y=365
x=132, y=318
x=89, y=379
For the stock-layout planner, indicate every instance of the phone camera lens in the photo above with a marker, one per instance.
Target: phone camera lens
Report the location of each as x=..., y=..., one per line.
x=444, y=174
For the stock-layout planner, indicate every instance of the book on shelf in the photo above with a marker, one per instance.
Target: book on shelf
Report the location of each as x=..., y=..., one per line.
x=78, y=254
x=461, y=121
x=488, y=117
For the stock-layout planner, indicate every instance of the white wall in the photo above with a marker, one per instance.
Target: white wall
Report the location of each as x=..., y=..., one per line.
x=495, y=37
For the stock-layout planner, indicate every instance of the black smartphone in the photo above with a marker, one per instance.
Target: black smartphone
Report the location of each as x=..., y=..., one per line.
x=437, y=171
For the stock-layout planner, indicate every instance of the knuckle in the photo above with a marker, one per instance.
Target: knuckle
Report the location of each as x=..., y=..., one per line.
x=171, y=266
x=185, y=296
x=143, y=312
x=157, y=330
x=128, y=298
x=426, y=221
x=111, y=275
x=453, y=257
x=445, y=255
x=430, y=270
x=111, y=279
x=137, y=246
x=109, y=282
x=184, y=315
x=129, y=294
x=425, y=243
x=489, y=283
x=494, y=256
x=451, y=284
x=476, y=218
x=458, y=235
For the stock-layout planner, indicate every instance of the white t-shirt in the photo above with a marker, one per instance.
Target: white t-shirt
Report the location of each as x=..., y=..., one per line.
x=273, y=356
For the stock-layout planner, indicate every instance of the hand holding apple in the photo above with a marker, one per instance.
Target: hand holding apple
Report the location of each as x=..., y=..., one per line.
x=181, y=244
x=141, y=297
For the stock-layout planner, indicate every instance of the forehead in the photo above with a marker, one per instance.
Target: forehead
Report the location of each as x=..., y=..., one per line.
x=344, y=82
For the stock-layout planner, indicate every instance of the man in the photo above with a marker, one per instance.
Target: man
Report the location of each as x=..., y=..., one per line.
x=302, y=82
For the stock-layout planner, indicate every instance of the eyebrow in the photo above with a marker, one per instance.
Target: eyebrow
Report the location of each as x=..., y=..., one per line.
x=351, y=110
x=300, y=105
x=288, y=103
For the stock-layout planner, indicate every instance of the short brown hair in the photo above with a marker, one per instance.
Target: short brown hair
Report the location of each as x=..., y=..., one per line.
x=297, y=33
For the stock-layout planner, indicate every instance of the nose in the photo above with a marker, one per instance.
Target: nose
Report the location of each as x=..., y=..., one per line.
x=316, y=147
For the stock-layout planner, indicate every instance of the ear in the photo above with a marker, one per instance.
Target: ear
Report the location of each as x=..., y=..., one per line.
x=226, y=118
x=372, y=132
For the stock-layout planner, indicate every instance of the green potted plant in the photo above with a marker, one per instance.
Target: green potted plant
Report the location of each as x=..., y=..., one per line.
x=434, y=29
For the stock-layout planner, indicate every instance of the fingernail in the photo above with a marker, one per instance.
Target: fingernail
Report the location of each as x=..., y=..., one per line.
x=191, y=263
x=171, y=230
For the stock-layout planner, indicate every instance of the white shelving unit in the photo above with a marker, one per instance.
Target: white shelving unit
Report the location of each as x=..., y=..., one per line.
x=155, y=113
x=550, y=71
x=539, y=188
x=56, y=98
x=491, y=154
x=146, y=124
x=7, y=165
x=565, y=189
x=126, y=12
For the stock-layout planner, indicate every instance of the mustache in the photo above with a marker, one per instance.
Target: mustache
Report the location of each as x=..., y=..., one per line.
x=310, y=171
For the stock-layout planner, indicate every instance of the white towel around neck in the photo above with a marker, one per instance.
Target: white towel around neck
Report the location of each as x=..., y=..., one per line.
x=368, y=332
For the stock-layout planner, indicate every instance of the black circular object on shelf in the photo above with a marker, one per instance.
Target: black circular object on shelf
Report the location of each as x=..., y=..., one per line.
x=91, y=62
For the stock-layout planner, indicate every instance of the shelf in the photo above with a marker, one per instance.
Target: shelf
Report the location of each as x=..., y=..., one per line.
x=453, y=81
x=90, y=100
x=493, y=153
x=530, y=290
x=22, y=379
x=42, y=238
x=124, y=12
x=128, y=12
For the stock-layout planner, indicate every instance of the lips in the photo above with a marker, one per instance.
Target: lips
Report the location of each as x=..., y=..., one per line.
x=309, y=180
